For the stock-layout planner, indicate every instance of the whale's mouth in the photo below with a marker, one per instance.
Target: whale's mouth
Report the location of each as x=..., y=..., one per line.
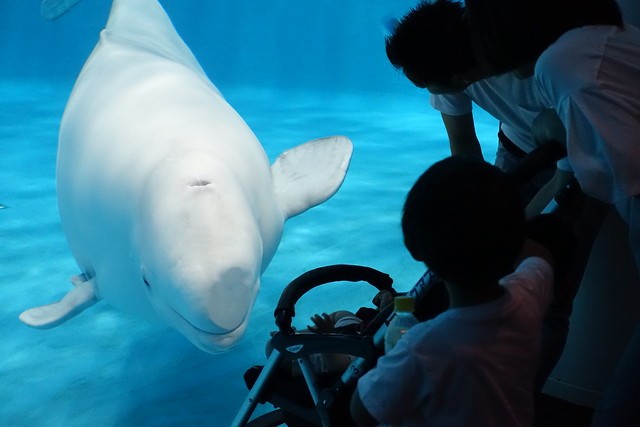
x=203, y=331
x=206, y=340
x=213, y=319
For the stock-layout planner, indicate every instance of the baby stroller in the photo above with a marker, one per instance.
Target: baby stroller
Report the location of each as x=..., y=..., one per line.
x=318, y=399
x=326, y=399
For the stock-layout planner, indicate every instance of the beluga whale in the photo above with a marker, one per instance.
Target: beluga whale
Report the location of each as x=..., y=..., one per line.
x=167, y=199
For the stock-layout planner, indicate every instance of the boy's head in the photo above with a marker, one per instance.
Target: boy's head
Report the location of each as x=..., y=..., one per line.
x=431, y=45
x=464, y=218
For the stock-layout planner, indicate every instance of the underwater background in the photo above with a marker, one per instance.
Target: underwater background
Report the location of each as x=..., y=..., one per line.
x=295, y=71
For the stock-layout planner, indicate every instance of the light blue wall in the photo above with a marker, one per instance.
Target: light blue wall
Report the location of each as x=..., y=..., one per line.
x=325, y=44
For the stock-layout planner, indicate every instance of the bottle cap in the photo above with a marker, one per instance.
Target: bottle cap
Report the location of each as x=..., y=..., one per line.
x=406, y=304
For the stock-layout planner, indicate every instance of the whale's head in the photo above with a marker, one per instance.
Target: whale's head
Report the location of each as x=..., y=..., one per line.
x=200, y=251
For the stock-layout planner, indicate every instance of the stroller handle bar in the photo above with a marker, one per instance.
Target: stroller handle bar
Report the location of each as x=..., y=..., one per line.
x=285, y=311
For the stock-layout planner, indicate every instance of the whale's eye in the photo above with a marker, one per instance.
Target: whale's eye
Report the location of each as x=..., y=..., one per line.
x=146, y=282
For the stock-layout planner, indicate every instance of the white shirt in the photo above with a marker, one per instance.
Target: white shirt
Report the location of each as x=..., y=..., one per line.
x=469, y=366
x=514, y=102
x=591, y=77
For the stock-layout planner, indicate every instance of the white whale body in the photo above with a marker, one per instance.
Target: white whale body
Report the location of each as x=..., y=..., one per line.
x=167, y=199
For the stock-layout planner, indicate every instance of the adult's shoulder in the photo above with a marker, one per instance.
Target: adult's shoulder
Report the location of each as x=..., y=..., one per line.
x=497, y=83
x=573, y=60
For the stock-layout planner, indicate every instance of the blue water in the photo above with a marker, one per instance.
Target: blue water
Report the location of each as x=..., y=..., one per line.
x=294, y=73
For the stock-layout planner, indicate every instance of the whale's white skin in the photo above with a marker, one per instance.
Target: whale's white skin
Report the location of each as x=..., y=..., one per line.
x=166, y=197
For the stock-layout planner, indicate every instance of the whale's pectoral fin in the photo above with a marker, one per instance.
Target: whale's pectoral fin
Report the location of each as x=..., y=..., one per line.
x=53, y=9
x=82, y=296
x=309, y=174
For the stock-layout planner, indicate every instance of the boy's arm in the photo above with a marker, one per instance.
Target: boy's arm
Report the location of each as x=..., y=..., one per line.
x=359, y=413
x=461, y=131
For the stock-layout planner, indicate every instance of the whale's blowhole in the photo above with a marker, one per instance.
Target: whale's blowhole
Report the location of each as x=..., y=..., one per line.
x=200, y=183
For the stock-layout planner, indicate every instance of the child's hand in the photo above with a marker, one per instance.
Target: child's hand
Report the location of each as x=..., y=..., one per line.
x=321, y=323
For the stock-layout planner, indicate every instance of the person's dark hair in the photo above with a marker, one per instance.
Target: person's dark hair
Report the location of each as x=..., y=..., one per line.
x=508, y=34
x=432, y=42
x=464, y=218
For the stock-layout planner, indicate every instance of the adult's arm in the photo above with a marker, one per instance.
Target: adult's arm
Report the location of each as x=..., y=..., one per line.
x=544, y=196
x=462, y=135
x=546, y=127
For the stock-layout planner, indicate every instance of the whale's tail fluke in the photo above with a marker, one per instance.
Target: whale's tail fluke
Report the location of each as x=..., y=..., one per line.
x=54, y=9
